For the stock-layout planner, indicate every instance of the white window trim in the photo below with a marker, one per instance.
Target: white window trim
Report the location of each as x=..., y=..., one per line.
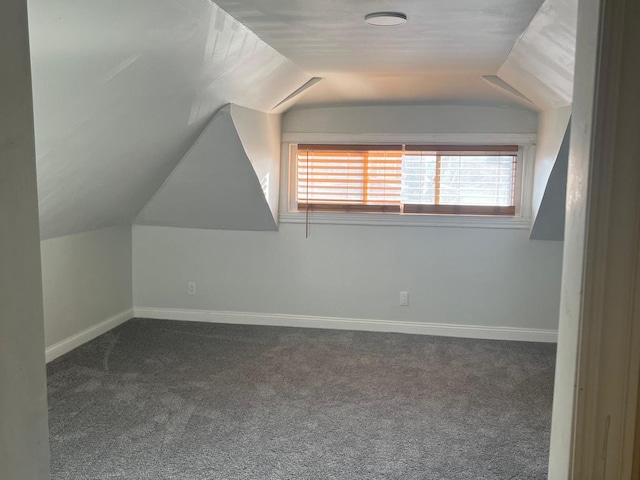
x=521, y=221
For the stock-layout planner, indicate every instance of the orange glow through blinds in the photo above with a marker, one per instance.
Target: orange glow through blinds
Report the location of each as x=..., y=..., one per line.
x=414, y=178
x=353, y=176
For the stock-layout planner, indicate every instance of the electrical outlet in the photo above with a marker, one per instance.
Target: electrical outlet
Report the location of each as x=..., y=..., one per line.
x=404, y=299
x=191, y=288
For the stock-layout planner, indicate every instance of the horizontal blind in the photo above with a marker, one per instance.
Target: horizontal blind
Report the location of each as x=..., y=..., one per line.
x=477, y=180
x=439, y=179
x=472, y=176
x=349, y=176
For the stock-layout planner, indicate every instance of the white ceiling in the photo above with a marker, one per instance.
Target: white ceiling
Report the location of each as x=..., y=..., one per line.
x=541, y=64
x=123, y=88
x=439, y=55
x=464, y=87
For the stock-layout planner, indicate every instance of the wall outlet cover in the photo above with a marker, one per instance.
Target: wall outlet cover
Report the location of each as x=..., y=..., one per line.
x=404, y=299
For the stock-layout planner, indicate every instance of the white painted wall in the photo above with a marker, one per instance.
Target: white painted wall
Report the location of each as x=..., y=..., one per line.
x=573, y=273
x=453, y=275
x=551, y=131
x=87, y=280
x=215, y=185
x=260, y=134
x=24, y=450
x=411, y=119
x=549, y=222
x=460, y=276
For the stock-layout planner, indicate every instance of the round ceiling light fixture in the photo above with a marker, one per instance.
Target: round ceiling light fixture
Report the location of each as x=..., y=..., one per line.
x=385, y=19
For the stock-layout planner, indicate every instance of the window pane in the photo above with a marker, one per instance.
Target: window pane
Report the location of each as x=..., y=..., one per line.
x=373, y=177
x=418, y=179
x=476, y=180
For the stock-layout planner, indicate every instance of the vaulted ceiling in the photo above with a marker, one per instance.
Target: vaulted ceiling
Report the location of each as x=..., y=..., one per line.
x=122, y=90
x=541, y=63
x=439, y=55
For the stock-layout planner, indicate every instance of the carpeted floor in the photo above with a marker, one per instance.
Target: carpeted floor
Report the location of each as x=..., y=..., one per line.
x=172, y=400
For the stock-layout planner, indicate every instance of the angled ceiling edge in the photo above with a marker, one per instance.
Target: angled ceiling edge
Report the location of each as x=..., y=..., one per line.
x=114, y=115
x=215, y=185
x=540, y=65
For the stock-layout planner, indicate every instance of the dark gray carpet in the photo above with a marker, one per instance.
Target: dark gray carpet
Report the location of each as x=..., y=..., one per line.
x=172, y=400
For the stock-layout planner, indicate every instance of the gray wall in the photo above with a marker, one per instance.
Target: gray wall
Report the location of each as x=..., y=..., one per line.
x=216, y=184
x=24, y=452
x=486, y=277
x=86, y=280
x=462, y=276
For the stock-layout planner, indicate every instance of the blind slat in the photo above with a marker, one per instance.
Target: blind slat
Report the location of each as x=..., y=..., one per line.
x=329, y=174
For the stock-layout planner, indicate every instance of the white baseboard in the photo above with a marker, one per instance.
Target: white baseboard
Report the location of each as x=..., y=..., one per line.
x=68, y=344
x=419, y=328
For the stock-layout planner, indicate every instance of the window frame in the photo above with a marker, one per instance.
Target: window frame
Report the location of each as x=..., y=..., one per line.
x=523, y=195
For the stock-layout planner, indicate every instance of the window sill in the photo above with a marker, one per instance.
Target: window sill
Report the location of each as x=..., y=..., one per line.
x=408, y=220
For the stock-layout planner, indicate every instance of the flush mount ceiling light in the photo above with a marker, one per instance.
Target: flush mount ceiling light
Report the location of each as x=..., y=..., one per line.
x=385, y=19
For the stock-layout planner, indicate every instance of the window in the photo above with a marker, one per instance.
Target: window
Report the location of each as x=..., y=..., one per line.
x=437, y=179
x=360, y=178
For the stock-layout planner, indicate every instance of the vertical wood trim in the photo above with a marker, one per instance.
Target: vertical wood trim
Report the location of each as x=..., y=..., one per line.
x=608, y=358
x=635, y=474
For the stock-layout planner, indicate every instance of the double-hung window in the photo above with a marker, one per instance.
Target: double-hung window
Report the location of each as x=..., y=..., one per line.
x=435, y=179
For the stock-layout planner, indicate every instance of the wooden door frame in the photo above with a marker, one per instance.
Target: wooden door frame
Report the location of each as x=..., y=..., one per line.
x=601, y=293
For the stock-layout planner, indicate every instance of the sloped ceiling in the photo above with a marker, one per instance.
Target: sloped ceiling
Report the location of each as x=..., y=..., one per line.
x=123, y=89
x=215, y=185
x=439, y=55
x=541, y=63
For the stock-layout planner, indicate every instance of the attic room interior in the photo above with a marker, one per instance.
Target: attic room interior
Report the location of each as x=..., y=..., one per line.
x=384, y=239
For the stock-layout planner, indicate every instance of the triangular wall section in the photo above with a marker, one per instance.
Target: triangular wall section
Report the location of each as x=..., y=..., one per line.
x=216, y=185
x=549, y=223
